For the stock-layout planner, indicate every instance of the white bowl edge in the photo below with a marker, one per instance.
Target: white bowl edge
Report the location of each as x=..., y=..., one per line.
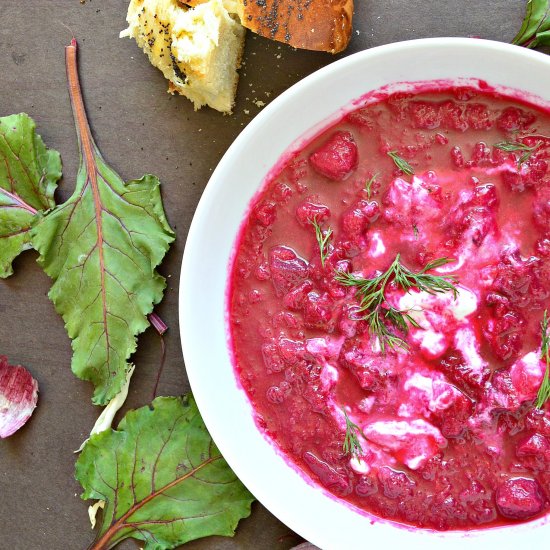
x=323, y=520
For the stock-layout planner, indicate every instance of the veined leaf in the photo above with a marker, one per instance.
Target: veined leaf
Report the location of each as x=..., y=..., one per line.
x=162, y=478
x=101, y=248
x=536, y=25
x=28, y=177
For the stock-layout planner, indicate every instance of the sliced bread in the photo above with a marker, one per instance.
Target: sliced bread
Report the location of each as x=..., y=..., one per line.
x=323, y=25
x=198, y=49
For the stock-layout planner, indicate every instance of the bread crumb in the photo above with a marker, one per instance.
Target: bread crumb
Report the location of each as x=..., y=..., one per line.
x=259, y=103
x=246, y=111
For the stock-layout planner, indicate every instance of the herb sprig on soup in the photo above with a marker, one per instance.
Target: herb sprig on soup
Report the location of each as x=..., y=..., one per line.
x=388, y=309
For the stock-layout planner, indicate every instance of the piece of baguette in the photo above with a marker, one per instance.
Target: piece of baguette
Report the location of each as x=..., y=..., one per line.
x=197, y=49
x=323, y=25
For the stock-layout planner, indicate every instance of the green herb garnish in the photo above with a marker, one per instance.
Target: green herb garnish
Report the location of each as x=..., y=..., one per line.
x=351, y=445
x=401, y=163
x=518, y=147
x=372, y=297
x=544, y=391
x=368, y=186
x=323, y=239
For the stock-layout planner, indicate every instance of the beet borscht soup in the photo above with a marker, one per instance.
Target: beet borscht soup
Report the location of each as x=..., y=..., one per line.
x=387, y=308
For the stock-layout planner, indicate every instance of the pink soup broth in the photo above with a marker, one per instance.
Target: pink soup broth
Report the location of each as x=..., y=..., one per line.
x=449, y=437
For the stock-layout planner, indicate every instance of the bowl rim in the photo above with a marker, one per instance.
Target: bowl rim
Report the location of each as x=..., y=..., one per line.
x=317, y=532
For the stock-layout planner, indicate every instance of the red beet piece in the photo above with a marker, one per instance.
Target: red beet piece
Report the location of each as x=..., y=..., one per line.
x=310, y=211
x=18, y=396
x=519, y=498
x=534, y=445
x=287, y=269
x=336, y=158
x=395, y=485
x=328, y=476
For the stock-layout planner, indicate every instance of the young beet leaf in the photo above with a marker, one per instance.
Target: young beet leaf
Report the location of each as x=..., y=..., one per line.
x=101, y=248
x=28, y=177
x=162, y=479
x=535, y=30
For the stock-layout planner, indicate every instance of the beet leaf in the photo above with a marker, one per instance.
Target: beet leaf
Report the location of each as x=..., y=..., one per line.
x=535, y=30
x=28, y=177
x=101, y=248
x=162, y=479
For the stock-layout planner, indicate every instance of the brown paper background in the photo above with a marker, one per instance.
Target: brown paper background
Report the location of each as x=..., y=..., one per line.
x=142, y=129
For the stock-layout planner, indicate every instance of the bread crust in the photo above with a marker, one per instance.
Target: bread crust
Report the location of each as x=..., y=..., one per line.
x=323, y=25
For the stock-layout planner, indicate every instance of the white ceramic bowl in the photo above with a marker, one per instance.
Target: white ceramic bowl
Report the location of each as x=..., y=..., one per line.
x=300, y=112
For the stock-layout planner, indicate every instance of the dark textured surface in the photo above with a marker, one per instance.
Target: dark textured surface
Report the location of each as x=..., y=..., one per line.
x=141, y=129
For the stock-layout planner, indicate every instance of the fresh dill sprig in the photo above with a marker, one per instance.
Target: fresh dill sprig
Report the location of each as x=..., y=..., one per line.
x=518, y=147
x=544, y=391
x=513, y=146
x=368, y=186
x=372, y=297
x=323, y=240
x=401, y=163
x=351, y=445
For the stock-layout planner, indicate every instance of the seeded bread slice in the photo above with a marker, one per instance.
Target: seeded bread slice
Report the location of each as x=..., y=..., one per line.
x=323, y=25
x=198, y=50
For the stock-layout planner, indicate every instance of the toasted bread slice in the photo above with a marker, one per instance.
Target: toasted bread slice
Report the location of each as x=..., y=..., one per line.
x=323, y=25
x=197, y=49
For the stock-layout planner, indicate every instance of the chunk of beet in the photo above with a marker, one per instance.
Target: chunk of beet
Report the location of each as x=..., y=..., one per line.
x=287, y=269
x=481, y=155
x=328, y=476
x=318, y=309
x=542, y=247
x=265, y=213
x=453, y=421
x=465, y=376
x=503, y=329
x=452, y=116
x=512, y=119
x=538, y=421
x=519, y=498
x=541, y=211
x=354, y=222
x=501, y=392
x=295, y=300
x=425, y=115
x=485, y=194
x=395, y=484
x=369, y=370
x=272, y=358
x=474, y=217
x=291, y=351
x=520, y=279
x=478, y=116
x=337, y=158
x=534, y=445
x=366, y=486
x=308, y=211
